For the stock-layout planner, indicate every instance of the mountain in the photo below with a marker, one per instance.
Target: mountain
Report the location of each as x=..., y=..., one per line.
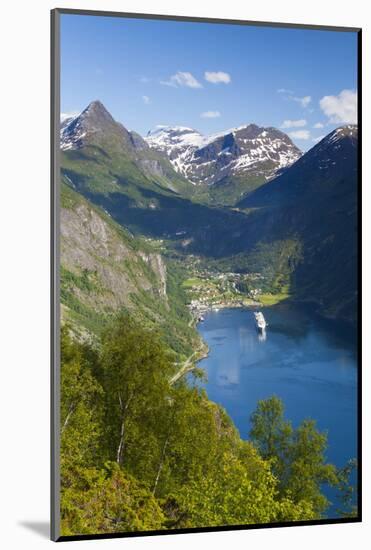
x=105, y=269
x=95, y=135
x=116, y=170
x=226, y=165
x=178, y=143
x=299, y=227
x=315, y=203
x=318, y=171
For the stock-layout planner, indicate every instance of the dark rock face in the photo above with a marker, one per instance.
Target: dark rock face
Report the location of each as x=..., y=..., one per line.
x=315, y=201
x=333, y=159
x=138, y=142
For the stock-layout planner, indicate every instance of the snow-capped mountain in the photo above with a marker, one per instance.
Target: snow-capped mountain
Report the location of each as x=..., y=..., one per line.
x=333, y=159
x=334, y=151
x=248, y=150
x=65, y=121
x=349, y=130
x=314, y=202
x=94, y=121
x=96, y=130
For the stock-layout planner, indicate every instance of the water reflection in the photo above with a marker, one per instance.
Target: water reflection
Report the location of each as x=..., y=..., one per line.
x=262, y=335
x=309, y=363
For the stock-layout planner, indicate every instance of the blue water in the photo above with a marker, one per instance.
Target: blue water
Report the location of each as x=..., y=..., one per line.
x=310, y=363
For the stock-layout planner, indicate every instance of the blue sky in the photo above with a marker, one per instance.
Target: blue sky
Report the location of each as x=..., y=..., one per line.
x=209, y=76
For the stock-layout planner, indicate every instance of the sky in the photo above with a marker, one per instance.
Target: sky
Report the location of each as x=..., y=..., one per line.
x=210, y=77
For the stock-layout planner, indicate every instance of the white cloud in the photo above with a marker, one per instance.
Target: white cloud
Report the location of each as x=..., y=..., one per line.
x=210, y=114
x=144, y=79
x=315, y=140
x=318, y=125
x=289, y=94
x=341, y=108
x=304, y=101
x=146, y=99
x=294, y=123
x=182, y=79
x=300, y=134
x=284, y=91
x=217, y=77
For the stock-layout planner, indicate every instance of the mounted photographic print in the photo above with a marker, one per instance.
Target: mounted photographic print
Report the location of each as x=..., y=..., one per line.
x=205, y=275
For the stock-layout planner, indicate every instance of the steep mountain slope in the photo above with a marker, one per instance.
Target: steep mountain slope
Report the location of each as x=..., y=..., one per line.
x=299, y=227
x=104, y=270
x=227, y=165
x=94, y=135
x=110, y=166
x=315, y=202
x=317, y=171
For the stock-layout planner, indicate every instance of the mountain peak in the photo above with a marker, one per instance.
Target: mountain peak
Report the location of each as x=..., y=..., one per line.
x=92, y=122
x=97, y=114
x=244, y=150
x=333, y=158
x=96, y=107
x=174, y=142
x=349, y=130
x=95, y=104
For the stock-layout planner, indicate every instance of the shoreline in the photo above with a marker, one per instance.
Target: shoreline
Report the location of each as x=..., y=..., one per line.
x=203, y=351
x=226, y=305
x=191, y=362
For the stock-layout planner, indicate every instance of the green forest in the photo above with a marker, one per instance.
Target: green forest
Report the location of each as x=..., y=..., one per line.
x=141, y=454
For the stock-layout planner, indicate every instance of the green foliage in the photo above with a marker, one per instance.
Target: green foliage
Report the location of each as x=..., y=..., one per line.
x=108, y=501
x=81, y=407
x=139, y=453
x=229, y=190
x=275, y=260
x=135, y=369
x=347, y=489
x=297, y=455
x=239, y=490
x=270, y=432
x=92, y=297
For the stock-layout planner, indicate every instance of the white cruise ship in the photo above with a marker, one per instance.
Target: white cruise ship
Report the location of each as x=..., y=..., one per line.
x=260, y=321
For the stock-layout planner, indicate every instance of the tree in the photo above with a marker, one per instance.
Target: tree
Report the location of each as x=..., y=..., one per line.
x=237, y=491
x=139, y=453
x=307, y=468
x=135, y=371
x=80, y=408
x=272, y=434
x=108, y=500
x=297, y=456
x=347, y=490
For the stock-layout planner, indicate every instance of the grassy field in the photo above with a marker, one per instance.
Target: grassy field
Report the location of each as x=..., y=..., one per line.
x=193, y=281
x=268, y=299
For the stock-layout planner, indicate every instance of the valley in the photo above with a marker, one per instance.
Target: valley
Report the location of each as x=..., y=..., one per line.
x=268, y=248
x=167, y=244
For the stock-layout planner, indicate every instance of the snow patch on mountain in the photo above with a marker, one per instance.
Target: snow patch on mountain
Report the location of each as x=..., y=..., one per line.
x=335, y=141
x=244, y=150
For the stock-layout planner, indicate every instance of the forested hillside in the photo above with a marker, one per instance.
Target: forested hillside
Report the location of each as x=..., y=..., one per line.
x=315, y=202
x=139, y=453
